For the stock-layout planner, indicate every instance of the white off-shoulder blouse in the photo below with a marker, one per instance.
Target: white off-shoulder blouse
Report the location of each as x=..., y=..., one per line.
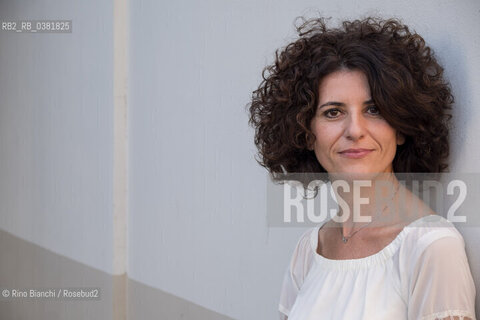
x=422, y=274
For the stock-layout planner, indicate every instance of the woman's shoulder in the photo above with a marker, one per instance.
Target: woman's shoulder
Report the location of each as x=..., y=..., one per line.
x=304, y=253
x=434, y=270
x=430, y=228
x=308, y=239
x=425, y=234
x=304, y=244
x=301, y=259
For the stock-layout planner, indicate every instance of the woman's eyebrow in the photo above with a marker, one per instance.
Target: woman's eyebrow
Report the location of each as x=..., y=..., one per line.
x=340, y=104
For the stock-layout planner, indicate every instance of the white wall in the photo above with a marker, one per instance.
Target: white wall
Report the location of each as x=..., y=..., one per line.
x=197, y=225
x=56, y=130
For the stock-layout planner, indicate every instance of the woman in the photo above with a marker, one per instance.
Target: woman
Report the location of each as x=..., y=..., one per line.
x=364, y=100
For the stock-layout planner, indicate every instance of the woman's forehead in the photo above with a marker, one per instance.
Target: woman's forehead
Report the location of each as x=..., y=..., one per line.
x=344, y=85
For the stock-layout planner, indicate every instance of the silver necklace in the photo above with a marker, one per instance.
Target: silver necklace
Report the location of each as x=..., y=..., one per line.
x=345, y=238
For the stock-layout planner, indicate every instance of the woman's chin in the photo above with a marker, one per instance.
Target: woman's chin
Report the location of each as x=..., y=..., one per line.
x=360, y=174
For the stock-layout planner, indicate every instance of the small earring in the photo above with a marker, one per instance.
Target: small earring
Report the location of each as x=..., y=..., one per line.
x=309, y=143
x=400, y=139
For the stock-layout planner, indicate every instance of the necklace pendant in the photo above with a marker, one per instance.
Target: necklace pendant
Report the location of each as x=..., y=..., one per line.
x=344, y=239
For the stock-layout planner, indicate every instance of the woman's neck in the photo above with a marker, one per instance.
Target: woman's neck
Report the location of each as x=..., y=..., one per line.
x=366, y=200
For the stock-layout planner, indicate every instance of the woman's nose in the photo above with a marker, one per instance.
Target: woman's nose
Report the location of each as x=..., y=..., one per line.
x=355, y=127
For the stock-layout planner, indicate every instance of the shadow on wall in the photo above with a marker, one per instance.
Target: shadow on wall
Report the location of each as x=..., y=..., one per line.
x=25, y=266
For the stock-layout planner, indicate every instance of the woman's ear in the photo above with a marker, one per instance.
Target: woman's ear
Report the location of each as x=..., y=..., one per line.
x=309, y=145
x=310, y=142
x=400, y=139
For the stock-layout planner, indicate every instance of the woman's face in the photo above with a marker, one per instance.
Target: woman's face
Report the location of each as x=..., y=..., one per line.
x=351, y=135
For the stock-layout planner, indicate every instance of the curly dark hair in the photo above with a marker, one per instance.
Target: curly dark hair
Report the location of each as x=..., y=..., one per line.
x=406, y=83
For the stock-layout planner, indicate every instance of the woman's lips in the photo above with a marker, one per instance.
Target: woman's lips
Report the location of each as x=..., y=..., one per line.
x=355, y=153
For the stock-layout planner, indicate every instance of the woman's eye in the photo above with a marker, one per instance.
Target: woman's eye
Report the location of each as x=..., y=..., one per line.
x=332, y=113
x=373, y=110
